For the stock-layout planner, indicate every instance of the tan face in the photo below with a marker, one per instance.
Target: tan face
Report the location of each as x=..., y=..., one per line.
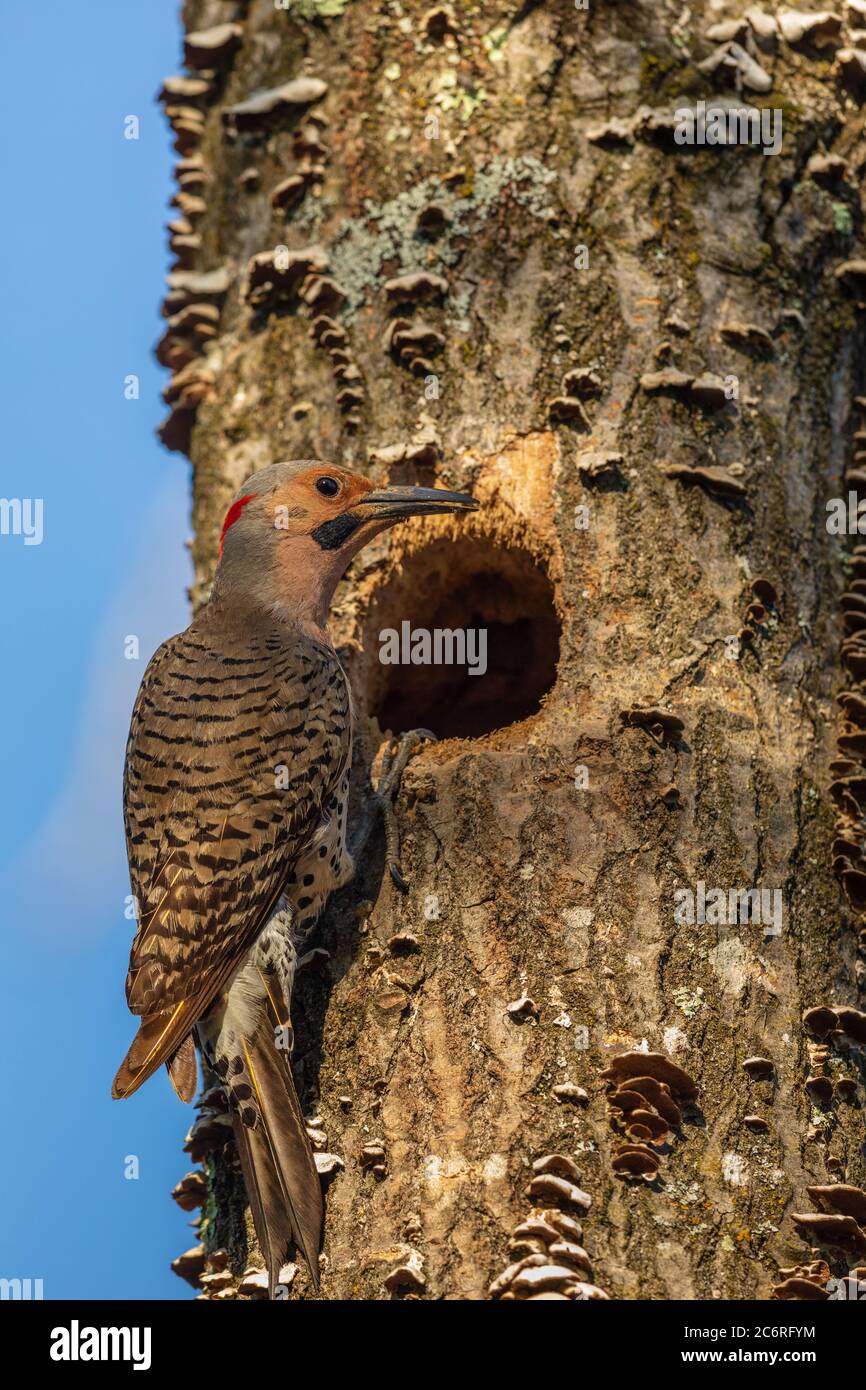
x=289, y=537
x=317, y=498
x=334, y=509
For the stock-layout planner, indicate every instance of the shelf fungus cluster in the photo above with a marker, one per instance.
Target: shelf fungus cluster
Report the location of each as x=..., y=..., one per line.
x=277, y=280
x=831, y=1026
x=848, y=769
x=210, y=1273
x=838, y=1224
x=333, y=340
x=213, y=1126
x=291, y=281
x=760, y=611
x=410, y=342
x=646, y=1091
x=813, y=1283
x=310, y=155
x=578, y=386
x=546, y=1257
x=707, y=390
x=194, y=301
x=211, y=1133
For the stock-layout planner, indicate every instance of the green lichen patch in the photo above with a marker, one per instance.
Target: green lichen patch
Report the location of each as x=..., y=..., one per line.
x=385, y=235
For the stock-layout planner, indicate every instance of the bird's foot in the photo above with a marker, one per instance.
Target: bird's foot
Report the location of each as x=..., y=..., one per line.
x=394, y=760
x=318, y=953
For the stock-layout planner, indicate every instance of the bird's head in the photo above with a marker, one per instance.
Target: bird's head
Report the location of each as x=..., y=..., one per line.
x=293, y=528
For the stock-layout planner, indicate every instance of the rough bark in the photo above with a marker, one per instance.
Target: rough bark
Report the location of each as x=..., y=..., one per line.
x=562, y=248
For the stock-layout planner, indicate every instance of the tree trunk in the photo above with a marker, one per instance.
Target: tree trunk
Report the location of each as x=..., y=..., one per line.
x=491, y=262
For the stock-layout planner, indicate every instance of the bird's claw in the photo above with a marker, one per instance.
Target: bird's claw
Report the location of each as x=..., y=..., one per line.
x=394, y=760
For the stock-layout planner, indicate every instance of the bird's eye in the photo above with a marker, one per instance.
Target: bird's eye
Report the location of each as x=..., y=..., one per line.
x=328, y=487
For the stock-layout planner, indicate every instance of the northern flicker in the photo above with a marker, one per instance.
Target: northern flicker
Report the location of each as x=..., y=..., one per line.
x=235, y=797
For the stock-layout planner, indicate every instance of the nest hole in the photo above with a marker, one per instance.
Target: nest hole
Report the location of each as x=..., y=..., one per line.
x=463, y=585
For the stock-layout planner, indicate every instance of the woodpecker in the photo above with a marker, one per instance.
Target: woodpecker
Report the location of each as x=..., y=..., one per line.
x=235, y=806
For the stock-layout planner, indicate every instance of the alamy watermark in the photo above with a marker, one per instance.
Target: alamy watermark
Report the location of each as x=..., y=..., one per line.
x=846, y=516
x=443, y=646
x=729, y=907
x=77, y=1343
x=21, y=1289
x=22, y=516
x=729, y=125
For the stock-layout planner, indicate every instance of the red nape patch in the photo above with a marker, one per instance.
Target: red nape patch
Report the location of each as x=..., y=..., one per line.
x=232, y=515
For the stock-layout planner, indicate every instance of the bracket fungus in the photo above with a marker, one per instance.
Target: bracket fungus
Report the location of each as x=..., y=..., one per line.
x=190, y=286
x=568, y=410
x=423, y=451
x=820, y=1020
x=748, y=337
x=408, y=1277
x=560, y=1164
x=669, y=379
x=601, y=465
x=852, y=274
x=277, y=277
x=566, y=1093
x=756, y=1123
x=190, y=1265
x=835, y=1231
x=328, y=1165
x=707, y=390
x=519, y=1010
x=644, y=1089
x=439, y=23
x=635, y=1161
x=413, y=344
x=827, y=169
x=851, y=65
x=373, y=1159
x=289, y=192
x=431, y=221
x=803, y=1283
x=817, y=30
x=547, y=1257
x=184, y=91
x=582, y=381
x=415, y=287
x=732, y=63
x=765, y=593
x=263, y=109
x=550, y=1187
x=254, y=1283
x=841, y=1198
x=715, y=480
x=661, y=724
x=612, y=133
x=851, y=1022
x=212, y=48
x=819, y=1089
x=191, y=1191
x=759, y=1068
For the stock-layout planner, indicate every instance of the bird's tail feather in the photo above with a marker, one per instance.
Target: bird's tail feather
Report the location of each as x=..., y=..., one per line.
x=282, y=1182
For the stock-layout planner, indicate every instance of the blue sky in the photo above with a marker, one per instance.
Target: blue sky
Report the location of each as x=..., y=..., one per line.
x=82, y=265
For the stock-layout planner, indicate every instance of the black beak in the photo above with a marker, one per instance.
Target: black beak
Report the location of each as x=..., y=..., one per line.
x=397, y=502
